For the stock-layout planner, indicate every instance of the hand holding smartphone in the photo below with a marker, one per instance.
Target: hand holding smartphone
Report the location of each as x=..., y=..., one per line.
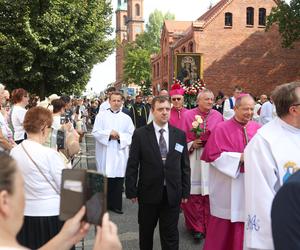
x=83, y=187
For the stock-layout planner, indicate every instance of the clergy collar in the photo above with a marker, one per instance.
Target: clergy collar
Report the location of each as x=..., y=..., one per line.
x=240, y=123
x=114, y=112
x=203, y=113
x=177, y=108
x=157, y=127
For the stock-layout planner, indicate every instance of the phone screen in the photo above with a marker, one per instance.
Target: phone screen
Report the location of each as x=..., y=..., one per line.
x=62, y=119
x=96, y=197
x=60, y=139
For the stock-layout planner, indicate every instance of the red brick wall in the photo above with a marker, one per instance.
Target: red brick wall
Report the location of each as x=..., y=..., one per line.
x=119, y=64
x=246, y=56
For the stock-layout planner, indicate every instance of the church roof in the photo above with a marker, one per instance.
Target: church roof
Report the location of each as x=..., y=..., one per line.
x=214, y=11
x=177, y=26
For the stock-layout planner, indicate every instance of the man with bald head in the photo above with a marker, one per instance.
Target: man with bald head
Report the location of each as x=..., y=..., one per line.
x=196, y=210
x=257, y=108
x=263, y=99
x=224, y=151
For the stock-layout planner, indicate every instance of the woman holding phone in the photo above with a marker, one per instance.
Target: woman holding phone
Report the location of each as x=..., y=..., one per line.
x=12, y=203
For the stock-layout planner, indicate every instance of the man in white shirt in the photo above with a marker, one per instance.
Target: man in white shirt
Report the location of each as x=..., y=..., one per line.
x=229, y=103
x=257, y=108
x=105, y=105
x=271, y=157
x=113, y=130
x=266, y=112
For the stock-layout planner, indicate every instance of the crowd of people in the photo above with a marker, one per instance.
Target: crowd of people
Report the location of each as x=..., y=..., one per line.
x=31, y=162
x=221, y=164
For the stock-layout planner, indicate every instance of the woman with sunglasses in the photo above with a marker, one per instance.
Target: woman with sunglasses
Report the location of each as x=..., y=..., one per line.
x=177, y=110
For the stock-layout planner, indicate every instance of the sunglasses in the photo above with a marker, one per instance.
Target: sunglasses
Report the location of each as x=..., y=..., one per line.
x=176, y=99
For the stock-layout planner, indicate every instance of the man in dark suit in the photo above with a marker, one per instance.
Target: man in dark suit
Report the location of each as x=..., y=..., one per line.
x=286, y=215
x=158, y=176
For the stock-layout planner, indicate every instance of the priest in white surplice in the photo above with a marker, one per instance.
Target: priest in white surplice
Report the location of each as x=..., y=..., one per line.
x=113, y=130
x=271, y=158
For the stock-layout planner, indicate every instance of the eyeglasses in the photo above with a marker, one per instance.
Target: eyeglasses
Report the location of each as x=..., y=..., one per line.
x=296, y=104
x=176, y=99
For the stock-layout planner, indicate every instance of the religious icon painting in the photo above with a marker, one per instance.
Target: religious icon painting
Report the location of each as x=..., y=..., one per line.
x=188, y=66
x=290, y=168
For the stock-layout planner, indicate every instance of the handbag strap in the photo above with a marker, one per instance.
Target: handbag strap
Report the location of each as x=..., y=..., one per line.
x=39, y=169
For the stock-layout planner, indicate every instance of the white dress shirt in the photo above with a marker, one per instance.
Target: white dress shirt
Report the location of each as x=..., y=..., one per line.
x=165, y=134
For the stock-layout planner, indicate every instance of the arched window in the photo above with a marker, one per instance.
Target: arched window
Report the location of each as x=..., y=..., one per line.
x=157, y=69
x=228, y=19
x=154, y=73
x=124, y=20
x=250, y=16
x=262, y=16
x=183, y=49
x=137, y=10
x=191, y=47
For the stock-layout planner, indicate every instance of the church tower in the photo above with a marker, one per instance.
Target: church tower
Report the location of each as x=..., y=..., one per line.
x=121, y=16
x=121, y=37
x=129, y=23
x=135, y=21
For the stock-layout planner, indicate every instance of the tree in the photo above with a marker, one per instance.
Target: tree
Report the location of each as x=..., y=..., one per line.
x=151, y=38
x=287, y=16
x=50, y=46
x=137, y=66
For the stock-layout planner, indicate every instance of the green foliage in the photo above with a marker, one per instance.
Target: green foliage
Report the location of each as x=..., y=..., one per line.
x=153, y=30
x=50, y=46
x=137, y=66
x=287, y=16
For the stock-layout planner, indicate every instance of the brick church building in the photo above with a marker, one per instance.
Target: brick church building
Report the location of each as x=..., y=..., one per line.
x=235, y=47
x=129, y=23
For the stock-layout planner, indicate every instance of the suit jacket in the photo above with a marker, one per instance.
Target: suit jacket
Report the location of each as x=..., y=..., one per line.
x=145, y=173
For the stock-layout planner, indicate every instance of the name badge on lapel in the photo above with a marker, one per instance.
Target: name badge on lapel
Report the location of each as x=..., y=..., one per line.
x=178, y=148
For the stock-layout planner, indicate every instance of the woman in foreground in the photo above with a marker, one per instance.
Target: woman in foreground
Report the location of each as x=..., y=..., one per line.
x=11, y=216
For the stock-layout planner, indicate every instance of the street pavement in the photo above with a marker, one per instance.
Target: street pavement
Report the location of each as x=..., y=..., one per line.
x=128, y=231
x=127, y=223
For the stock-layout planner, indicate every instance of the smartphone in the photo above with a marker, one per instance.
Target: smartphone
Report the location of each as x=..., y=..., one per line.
x=60, y=139
x=83, y=187
x=62, y=119
x=95, y=197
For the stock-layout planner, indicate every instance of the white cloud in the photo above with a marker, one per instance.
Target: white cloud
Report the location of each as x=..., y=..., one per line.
x=187, y=10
